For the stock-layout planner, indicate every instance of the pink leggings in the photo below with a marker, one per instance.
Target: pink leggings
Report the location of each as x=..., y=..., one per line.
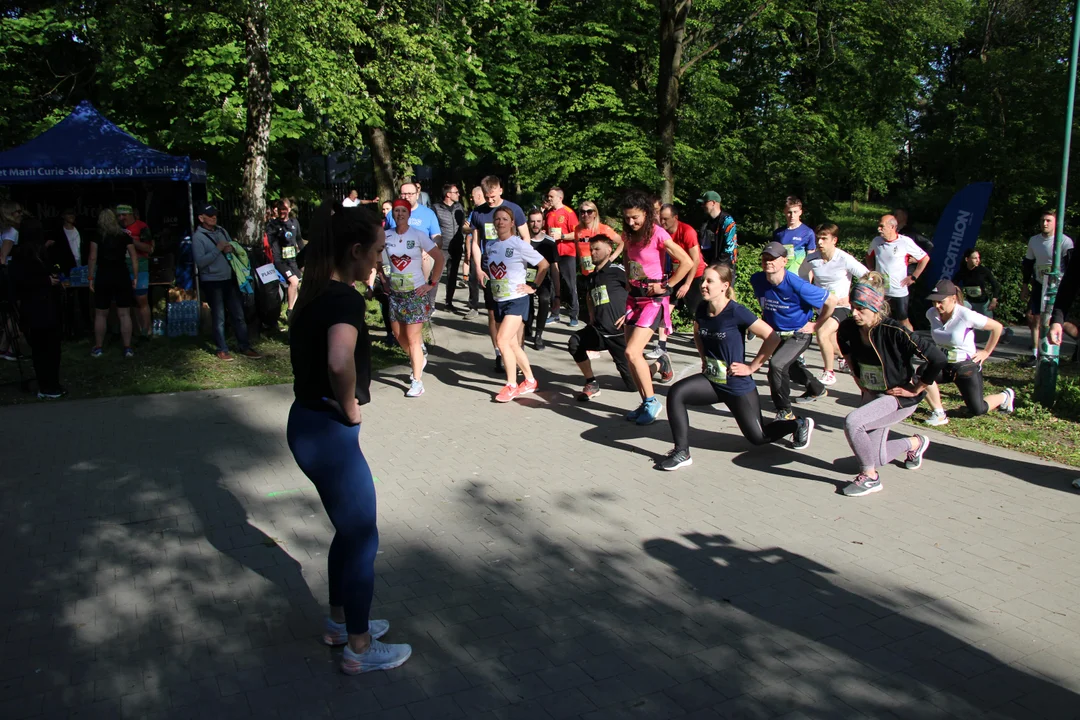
x=867, y=431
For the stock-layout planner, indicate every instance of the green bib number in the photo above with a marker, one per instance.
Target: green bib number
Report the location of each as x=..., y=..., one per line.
x=600, y=295
x=587, y=264
x=401, y=282
x=872, y=377
x=489, y=231
x=288, y=252
x=530, y=274
x=953, y=355
x=500, y=289
x=716, y=371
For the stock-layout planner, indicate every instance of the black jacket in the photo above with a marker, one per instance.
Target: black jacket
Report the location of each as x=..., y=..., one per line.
x=895, y=347
x=39, y=299
x=979, y=283
x=1068, y=290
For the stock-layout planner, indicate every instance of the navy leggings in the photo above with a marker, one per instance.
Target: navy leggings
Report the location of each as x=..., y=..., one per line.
x=328, y=451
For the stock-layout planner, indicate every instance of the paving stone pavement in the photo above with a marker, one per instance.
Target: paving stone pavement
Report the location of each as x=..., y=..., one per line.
x=166, y=559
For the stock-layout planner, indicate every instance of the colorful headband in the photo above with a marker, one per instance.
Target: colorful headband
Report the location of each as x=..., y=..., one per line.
x=401, y=203
x=865, y=296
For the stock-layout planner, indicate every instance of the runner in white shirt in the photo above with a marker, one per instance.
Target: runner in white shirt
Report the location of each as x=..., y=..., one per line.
x=1037, y=263
x=953, y=327
x=407, y=285
x=505, y=262
x=890, y=254
x=831, y=268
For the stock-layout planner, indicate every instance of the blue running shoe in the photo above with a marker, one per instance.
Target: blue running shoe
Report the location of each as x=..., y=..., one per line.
x=633, y=415
x=651, y=410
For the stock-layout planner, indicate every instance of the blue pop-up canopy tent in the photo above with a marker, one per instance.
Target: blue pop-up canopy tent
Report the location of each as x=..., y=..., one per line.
x=85, y=146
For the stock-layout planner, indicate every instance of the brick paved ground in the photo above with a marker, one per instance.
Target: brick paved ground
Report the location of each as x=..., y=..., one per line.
x=165, y=558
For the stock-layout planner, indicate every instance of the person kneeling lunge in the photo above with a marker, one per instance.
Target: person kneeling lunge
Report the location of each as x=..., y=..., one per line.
x=719, y=333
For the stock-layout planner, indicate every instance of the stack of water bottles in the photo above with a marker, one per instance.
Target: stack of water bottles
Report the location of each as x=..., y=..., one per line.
x=183, y=318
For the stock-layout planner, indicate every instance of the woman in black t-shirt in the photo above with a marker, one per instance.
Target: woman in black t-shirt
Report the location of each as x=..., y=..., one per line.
x=110, y=280
x=720, y=329
x=330, y=352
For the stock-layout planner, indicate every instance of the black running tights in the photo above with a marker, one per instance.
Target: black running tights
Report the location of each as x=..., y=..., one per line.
x=698, y=390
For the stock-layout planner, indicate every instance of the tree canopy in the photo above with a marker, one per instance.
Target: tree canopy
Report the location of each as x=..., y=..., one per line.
x=834, y=100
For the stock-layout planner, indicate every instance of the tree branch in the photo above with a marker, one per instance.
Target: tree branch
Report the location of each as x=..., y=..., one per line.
x=724, y=39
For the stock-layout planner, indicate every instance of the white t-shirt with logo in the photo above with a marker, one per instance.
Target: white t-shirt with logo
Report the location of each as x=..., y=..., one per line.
x=956, y=338
x=403, y=259
x=835, y=275
x=506, y=263
x=1041, y=250
x=891, y=259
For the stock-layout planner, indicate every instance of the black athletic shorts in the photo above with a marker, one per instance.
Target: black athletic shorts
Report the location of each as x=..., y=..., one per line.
x=1035, y=301
x=107, y=292
x=288, y=269
x=841, y=314
x=489, y=299
x=898, y=307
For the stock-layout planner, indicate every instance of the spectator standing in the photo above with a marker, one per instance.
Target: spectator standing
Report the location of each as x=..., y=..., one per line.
x=285, y=242
x=111, y=281
x=1037, y=263
x=890, y=254
x=981, y=288
x=38, y=290
x=718, y=236
x=67, y=251
x=211, y=244
x=451, y=215
x=352, y=199
x=562, y=225
x=11, y=215
x=144, y=248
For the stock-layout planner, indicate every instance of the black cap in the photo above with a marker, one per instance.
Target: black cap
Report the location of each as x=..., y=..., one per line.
x=208, y=210
x=945, y=288
x=775, y=249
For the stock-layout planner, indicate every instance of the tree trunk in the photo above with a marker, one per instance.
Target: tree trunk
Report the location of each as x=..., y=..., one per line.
x=382, y=162
x=672, y=35
x=260, y=103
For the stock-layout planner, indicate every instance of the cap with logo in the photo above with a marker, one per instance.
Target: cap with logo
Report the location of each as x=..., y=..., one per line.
x=711, y=196
x=774, y=249
x=208, y=210
x=945, y=288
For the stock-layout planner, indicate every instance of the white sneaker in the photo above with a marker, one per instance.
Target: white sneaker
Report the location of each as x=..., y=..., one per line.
x=594, y=354
x=841, y=365
x=828, y=377
x=416, y=389
x=378, y=656
x=937, y=417
x=1010, y=401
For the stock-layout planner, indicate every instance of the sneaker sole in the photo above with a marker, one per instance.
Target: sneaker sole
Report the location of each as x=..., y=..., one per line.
x=586, y=398
x=351, y=670
x=414, y=395
x=935, y=424
x=527, y=391
x=684, y=463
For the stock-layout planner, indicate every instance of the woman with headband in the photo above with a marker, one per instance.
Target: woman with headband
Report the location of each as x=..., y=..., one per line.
x=879, y=351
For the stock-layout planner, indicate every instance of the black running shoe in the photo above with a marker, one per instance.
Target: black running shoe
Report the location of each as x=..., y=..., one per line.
x=809, y=397
x=590, y=391
x=676, y=459
x=801, y=441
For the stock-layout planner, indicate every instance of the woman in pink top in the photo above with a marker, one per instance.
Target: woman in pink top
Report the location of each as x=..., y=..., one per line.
x=648, y=302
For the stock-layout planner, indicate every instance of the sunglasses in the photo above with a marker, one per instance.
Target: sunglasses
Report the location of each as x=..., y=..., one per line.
x=588, y=212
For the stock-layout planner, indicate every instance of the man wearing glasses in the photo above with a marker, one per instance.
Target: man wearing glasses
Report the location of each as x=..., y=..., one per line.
x=561, y=225
x=451, y=215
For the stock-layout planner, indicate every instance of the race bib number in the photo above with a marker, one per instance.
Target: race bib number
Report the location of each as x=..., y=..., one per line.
x=530, y=274
x=587, y=264
x=872, y=377
x=716, y=371
x=973, y=292
x=1042, y=271
x=401, y=282
x=555, y=233
x=953, y=355
x=790, y=252
x=489, y=231
x=500, y=289
x=636, y=271
x=288, y=252
x=386, y=269
x=600, y=295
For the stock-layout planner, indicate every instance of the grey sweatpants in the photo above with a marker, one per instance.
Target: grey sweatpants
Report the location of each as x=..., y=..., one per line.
x=867, y=431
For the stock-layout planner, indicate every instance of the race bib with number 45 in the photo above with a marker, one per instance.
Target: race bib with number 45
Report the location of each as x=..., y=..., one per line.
x=872, y=377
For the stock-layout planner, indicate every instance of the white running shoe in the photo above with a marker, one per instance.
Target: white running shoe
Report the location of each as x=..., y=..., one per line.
x=937, y=417
x=841, y=365
x=416, y=389
x=1010, y=401
x=378, y=656
x=828, y=377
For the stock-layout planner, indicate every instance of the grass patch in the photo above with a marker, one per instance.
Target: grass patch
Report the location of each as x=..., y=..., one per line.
x=167, y=365
x=1052, y=434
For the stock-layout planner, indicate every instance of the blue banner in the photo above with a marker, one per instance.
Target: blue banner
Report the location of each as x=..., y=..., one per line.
x=957, y=230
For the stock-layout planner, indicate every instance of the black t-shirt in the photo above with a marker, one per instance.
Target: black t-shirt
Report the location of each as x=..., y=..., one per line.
x=111, y=251
x=546, y=247
x=607, y=290
x=308, y=345
x=723, y=337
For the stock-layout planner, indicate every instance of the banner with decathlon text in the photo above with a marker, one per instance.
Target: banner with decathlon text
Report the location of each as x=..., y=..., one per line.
x=957, y=230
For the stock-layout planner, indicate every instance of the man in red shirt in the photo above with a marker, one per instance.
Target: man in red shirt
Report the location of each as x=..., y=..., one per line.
x=561, y=225
x=688, y=292
x=144, y=247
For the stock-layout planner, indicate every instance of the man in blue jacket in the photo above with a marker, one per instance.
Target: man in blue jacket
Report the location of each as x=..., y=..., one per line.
x=210, y=245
